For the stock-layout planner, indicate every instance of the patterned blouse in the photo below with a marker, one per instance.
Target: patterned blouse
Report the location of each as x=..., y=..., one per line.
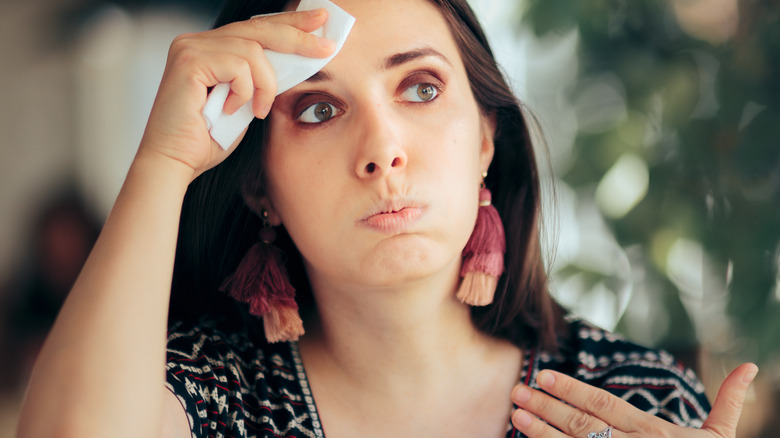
x=230, y=387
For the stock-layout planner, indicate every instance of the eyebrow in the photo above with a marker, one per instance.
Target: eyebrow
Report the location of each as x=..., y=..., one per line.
x=390, y=62
x=320, y=76
x=404, y=57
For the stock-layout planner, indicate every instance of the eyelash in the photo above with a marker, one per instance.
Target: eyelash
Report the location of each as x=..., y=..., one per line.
x=335, y=111
x=425, y=78
x=416, y=80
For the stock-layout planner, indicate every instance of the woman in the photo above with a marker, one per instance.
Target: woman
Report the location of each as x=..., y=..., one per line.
x=371, y=173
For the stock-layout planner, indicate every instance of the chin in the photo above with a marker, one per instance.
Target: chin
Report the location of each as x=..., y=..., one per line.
x=407, y=264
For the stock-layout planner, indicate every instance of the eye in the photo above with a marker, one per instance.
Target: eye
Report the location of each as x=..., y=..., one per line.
x=424, y=92
x=318, y=113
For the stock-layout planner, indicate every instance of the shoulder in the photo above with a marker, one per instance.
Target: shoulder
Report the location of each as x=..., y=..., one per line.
x=229, y=383
x=650, y=379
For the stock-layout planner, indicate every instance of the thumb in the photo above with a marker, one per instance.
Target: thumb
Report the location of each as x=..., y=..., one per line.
x=725, y=413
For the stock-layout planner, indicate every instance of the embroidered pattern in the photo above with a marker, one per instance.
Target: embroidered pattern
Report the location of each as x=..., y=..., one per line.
x=230, y=387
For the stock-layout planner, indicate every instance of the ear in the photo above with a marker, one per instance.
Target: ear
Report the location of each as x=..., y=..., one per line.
x=259, y=203
x=488, y=147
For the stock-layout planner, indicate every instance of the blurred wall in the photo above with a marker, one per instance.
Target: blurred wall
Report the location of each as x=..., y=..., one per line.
x=36, y=120
x=78, y=81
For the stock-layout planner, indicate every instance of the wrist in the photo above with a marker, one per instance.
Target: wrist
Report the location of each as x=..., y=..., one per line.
x=160, y=167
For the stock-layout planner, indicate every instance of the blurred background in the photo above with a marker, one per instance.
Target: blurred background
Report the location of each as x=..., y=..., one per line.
x=661, y=120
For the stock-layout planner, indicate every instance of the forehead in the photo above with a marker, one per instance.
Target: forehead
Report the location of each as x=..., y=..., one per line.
x=385, y=27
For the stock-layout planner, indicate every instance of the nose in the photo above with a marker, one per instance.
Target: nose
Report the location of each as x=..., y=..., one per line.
x=381, y=150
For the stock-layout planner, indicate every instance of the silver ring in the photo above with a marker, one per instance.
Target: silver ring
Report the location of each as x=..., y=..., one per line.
x=606, y=433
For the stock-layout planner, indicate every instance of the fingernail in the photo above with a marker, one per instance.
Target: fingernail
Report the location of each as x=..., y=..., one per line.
x=315, y=12
x=324, y=42
x=751, y=375
x=521, y=394
x=546, y=380
x=521, y=418
x=265, y=108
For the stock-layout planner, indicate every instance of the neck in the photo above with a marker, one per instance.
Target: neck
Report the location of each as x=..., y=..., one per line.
x=404, y=337
x=378, y=354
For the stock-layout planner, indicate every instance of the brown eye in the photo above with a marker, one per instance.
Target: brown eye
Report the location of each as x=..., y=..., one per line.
x=319, y=112
x=323, y=111
x=426, y=92
x=420, y=93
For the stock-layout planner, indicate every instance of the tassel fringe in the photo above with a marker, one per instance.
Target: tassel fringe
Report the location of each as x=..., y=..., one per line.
x=282, y=323
x=483, y=256
x=261, y=282
x=477, y=289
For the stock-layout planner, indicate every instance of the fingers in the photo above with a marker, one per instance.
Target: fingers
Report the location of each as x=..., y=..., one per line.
x=234, y=54
x=208, y=61
x=284, y=33
x=297, y=38
x=568, y=421
x=619, y=413
x=242, y=64
x=725, y=413
x=306, y=21
x=534, y=427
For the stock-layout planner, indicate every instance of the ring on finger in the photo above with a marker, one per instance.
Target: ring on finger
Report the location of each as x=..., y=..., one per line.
x=606, y=433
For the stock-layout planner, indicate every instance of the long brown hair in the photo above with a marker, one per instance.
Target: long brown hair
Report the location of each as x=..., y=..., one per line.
x=217, y=228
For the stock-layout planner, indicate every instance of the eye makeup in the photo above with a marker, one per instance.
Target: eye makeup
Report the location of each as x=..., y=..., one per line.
x=314, y=104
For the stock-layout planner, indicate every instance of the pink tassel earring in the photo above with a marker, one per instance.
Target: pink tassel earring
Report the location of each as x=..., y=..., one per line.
x=483, y=256
x=261, y=281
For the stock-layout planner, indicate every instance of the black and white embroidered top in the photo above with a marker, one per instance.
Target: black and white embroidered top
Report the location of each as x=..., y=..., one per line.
x=230, y=387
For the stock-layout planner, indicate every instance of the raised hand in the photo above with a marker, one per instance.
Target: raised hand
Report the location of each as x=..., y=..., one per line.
x=119, y=303
x=230, y=54
x=592, y=410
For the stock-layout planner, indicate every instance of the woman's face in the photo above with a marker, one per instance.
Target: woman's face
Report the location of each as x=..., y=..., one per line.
x=374, y=164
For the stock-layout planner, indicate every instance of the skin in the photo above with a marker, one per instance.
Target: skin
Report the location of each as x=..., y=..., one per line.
x=388, y=329
x=325, y=178
x=85, y=382
x=592, y=410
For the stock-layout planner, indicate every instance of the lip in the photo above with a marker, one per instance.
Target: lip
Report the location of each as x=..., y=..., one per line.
x=392, y=216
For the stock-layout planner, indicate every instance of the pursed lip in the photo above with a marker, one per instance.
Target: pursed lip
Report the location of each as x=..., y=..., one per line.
x=393, y=215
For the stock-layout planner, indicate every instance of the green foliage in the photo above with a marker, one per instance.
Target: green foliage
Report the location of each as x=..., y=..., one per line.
x=705, y=116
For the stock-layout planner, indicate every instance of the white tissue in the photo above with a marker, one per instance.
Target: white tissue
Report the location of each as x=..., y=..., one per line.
x=291, y=70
